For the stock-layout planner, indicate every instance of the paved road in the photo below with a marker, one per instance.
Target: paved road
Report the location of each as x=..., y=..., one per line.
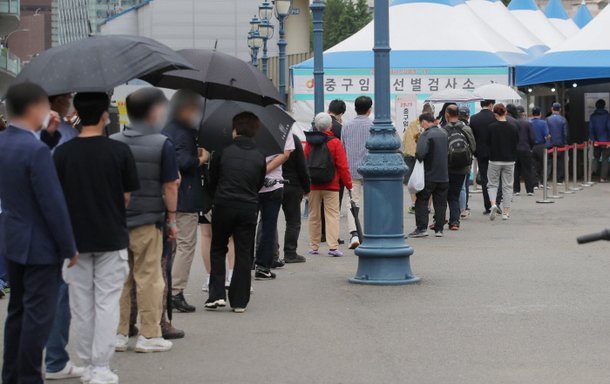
x=503, y=302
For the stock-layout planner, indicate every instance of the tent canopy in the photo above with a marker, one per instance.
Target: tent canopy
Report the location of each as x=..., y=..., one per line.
x=415, y=44
x=558, y=16
x=583, y=16
x=532, y=19
x=584, y=56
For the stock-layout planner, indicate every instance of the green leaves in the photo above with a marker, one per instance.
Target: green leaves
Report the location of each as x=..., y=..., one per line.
x=343, y=18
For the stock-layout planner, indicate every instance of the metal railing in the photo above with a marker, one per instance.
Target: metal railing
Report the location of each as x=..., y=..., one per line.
x=9, y=62
x=9, y=6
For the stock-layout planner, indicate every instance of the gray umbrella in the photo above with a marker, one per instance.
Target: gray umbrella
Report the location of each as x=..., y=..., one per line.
x=99, y=63
x=220, y=76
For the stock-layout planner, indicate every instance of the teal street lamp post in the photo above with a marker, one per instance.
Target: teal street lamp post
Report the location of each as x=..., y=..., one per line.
x=254, y=43
x=282, y=11
x=383, y=257
x=265, y=29
x=317, y=10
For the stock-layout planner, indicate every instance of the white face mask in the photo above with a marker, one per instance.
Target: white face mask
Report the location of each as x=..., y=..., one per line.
x=46, y=121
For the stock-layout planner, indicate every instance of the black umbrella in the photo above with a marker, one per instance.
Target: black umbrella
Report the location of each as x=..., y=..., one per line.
x=355, y=209
x=220, y=76
x=216, y=126
x=99, y=63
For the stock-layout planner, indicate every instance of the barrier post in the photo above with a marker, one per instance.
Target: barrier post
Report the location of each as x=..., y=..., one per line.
x=585, y=166
x=575, y=186
x=566, y=172
x=555, y=194
x=545, y=171
x=591, y=160
x=475, y=186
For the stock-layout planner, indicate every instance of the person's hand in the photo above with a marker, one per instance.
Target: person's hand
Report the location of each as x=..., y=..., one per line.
x=73, y=260
x=53, y=122
x=203, y=155
x=172, y=231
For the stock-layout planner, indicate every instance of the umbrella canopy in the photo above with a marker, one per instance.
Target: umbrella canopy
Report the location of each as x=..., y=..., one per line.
x=216, y=128
x=220, y=76
x=454, y=96
x=558, y=16
x=532, y=18
x=99, y=63
x=582, y=16
x=497, y=91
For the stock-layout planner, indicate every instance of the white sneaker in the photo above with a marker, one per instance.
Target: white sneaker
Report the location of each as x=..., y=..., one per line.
x=103, y=376
x=121, y=343
x=239, y=310
x=86, y=377
x=70, y=371
x=505, y=216
x=495, y=211
x=354, y=242
x=157, y=344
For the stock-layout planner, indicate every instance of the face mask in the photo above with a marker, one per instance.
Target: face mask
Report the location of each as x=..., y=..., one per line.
x=196, y=121
x=108, y=122
x=46, y=121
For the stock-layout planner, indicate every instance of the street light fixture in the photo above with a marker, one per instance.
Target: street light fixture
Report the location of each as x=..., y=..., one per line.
x=283, y=8
x=254, y=23
x=265, y=10
x=265, y=29
x=254, y=43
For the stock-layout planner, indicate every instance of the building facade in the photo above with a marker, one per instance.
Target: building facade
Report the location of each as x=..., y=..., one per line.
x=10, y=65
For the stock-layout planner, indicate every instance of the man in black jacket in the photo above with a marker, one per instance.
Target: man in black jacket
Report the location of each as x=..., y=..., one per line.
x=185, y=116
x=295, y=171
x=480, y=127
x=237, y=173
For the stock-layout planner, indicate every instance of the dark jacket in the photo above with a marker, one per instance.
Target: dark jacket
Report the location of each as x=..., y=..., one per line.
x=480, y=128
x=36, y=228
x=526, y=135
x=469, y=138
x=336, y=128
x=295, y=168
x=190, y=193
x=237, y=173
x=432, y=150
x=503, y=139
x=599, y=125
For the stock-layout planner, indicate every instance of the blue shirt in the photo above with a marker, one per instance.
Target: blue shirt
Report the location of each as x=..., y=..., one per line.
x=558, y=128
x=169, y=166
x=599, y=125
x=541, y=130
x=67, y=132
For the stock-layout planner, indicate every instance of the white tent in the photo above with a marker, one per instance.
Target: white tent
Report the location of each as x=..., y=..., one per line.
x=499, y=18
x=532, y=18
x=558, y=16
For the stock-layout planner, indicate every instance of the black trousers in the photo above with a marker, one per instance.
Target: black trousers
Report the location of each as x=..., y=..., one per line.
x=241, y=223
x=456, y=182
x=539, y=151
x=524, y=168
x=269, y=204
x=291, y=205
x=31, y=311
x=483, y=167
x=560, y=165
x=438, y=191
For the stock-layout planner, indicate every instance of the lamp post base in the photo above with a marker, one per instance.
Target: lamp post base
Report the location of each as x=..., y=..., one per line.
x=379, y=265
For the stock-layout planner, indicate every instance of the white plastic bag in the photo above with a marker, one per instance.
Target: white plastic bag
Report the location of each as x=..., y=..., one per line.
x=417, y=181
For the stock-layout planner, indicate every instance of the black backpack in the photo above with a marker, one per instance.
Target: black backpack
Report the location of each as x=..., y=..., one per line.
x=320, y=163
x=460, y=155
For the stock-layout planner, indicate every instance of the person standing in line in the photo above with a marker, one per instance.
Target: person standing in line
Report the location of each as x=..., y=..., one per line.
x=465, y=193
x=270, y=202
x=461, y=146
x=354, y=137
x=97, y=175
x=502, y=141
x=151, y=208
x=409, y=145
x=558, y=129
x=237, y=173
x=185, y=117
x=432, y=149
x=524, y=164
x=480, y=128
x=327, y=163
x=35, y=238
x=295, y=171
x=599, y=131
x=541, y=136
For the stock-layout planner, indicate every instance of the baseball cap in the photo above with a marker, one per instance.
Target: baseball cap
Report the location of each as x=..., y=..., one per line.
x=464, y=111
x=556, y=106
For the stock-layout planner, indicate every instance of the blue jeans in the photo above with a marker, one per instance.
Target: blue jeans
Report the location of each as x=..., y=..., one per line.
x=269, y=206
x=464, y=193
x=3, y=276
x=57, y=356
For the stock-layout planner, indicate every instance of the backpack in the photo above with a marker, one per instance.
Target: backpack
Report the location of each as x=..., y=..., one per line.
x=460, y=155
x=320, y=163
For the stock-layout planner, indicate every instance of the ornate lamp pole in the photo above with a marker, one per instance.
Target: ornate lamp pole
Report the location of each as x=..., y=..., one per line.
x=282, y=11
x=265, y=29
x=384, y=254
x=254, y=43
x=317, y=9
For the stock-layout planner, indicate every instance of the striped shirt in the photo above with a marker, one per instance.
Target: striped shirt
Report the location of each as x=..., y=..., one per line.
x=354, y=135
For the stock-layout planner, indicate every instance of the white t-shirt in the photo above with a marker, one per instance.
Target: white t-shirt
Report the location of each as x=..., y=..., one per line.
x=276, y=174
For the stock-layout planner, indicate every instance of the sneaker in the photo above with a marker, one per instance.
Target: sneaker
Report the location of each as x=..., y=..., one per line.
x=418, y=233
x=179, y=303
x=206, y=285
x=438, y=234
x=154, y=344
x=454, y=227
x=263, y=274
x=495, y=211
x=411, y=209
x=294, y=259
x=314, y=252
x=239, y=310
x=169, y=332
x=335, y=253
x=215, y=304
x=516, y=193
x=487, y=212
x=465, y=214
x=103, y=376
x=354, y=242
x=70, y=371
x=86, y=377
x=279, y=263
x=340, y=241
x=530, y=193
x=121, y=343
x=505, y=216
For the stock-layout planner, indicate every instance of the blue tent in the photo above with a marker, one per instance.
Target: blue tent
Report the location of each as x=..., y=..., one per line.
x=582, y=16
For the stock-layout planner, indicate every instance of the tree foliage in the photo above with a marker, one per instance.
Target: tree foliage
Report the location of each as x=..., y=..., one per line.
x=343, y=18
